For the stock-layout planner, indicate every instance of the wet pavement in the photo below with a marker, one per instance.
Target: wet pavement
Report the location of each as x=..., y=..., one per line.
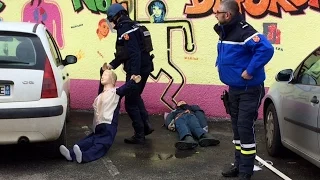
x=157, y=159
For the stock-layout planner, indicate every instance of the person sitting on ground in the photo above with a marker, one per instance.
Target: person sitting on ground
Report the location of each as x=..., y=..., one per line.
x=189, y=121
x=105, y=122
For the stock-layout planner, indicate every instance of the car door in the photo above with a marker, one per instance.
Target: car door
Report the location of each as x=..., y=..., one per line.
x=58, y=62
x=300, y=107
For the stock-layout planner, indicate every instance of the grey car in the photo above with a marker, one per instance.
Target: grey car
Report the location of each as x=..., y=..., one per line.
x=291, y=110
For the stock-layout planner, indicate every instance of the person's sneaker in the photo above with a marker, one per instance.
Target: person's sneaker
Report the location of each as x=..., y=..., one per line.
x=134, y=140
x=233, y=171
x=208, y=140
x=245, y=177
x=187, y=143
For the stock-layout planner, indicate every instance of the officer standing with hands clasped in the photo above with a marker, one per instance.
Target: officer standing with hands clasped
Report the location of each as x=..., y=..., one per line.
x=242, y=55
x=133, y=47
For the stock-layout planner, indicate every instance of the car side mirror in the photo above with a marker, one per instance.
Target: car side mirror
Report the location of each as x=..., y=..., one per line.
x=285, y=75
x=70, y=59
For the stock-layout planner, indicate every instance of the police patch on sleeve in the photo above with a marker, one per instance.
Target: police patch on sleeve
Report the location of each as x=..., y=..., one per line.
x=126, y=37
x=256, y=38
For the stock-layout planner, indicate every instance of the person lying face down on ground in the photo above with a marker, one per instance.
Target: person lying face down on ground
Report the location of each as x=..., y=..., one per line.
x=105, y=122
x=190, y=123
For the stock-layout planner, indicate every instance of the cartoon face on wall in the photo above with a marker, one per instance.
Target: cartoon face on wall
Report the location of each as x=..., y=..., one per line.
x=157, y=11
x=103, y=29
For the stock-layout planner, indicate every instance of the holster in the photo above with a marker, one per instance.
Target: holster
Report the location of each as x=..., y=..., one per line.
x=225, y=99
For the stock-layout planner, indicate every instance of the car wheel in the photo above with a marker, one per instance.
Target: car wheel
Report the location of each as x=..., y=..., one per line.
x=272, y=131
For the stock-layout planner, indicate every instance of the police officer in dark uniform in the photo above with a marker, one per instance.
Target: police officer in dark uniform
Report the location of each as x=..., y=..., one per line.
x=133, y=47
x=242, y=55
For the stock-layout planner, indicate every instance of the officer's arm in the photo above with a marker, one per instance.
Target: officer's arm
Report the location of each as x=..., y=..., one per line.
x=134, y=53
x=262, y=50
x=116, y=62
x=126, y=88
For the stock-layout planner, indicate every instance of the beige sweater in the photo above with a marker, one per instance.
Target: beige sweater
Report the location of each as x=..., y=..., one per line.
x=104, y=107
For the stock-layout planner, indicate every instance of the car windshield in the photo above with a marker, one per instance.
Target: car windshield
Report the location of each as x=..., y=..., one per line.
x=17, y=50
x=311, y=69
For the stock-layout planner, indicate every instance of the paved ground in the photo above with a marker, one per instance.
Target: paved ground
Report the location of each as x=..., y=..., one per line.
x=158, y=159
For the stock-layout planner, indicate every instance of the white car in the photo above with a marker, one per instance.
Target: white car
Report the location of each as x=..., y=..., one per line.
x=291, y=110
x=34, y=85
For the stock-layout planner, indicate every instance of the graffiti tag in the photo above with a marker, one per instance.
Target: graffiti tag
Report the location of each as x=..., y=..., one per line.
x=254, y=8
x=2, y=6
x=99, y=6
x=95, y=6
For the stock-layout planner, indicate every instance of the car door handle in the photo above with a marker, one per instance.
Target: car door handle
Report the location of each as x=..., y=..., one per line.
x=315, y=100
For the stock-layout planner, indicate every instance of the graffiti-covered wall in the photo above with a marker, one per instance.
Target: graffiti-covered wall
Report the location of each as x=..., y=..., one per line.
x=183, y=38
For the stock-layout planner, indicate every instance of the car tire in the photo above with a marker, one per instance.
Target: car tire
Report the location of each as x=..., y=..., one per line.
x=272, y=132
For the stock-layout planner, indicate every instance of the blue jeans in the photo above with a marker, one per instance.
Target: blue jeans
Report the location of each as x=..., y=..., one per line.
x=188, y=124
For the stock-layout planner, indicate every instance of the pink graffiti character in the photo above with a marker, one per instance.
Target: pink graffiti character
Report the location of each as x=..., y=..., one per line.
x=47, y=13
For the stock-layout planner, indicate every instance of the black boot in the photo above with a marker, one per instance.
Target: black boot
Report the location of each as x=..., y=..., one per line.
x=187, y=143
x=245, y=176
x=208, y=140
x=134, y=140
x=233, y=171
x=148, y=131
x=147, y=128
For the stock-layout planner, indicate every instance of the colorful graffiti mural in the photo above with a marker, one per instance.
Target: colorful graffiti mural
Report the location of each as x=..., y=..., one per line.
x=170, y=69
x=183, y=38
x=2, y=6
x=98, y=6
x=157, y=11
x=256, y=9
x=47, y=13
x=271, y=31
x=95, y=6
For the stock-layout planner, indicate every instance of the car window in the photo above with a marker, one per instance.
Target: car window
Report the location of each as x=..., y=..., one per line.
x=53, y=48
x=309, y=73
x=17, y=50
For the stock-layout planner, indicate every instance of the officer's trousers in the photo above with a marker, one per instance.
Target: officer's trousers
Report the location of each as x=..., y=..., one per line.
x=96, y=144
x=188, y=124
x=244, y=105
x=136, y=109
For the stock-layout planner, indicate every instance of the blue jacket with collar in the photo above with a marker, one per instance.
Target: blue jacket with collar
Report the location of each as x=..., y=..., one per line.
x=129, y=49
x=241, y=48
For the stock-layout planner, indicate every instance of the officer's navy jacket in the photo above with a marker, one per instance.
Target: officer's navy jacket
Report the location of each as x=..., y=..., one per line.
x=129, y=47
x=241, y=48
